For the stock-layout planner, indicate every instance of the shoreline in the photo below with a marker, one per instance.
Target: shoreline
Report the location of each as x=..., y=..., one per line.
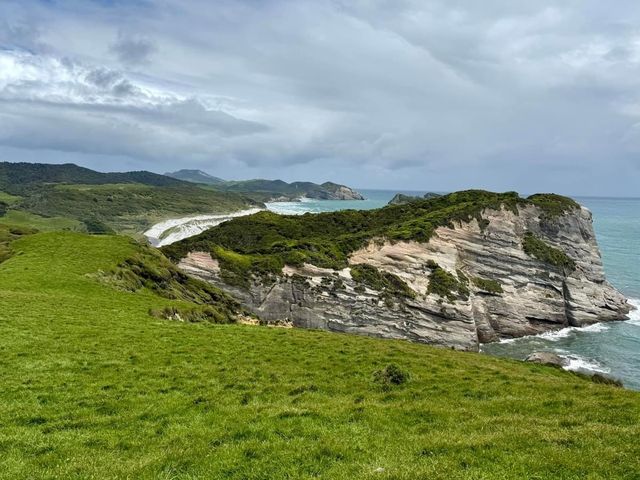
x=185, y=227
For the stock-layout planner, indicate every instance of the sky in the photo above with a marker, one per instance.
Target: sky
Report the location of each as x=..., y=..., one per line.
x=533, y=95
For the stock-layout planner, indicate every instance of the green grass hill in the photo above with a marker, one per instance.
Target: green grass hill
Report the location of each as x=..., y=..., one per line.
x=95, y=386
x=68, y=197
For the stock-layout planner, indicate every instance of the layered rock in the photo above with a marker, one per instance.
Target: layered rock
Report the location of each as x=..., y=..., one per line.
x=507, y=292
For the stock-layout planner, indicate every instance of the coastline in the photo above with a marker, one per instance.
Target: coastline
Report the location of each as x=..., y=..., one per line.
x=176, y=229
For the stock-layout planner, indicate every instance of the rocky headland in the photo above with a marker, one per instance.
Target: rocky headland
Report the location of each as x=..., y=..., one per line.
x=456, y=271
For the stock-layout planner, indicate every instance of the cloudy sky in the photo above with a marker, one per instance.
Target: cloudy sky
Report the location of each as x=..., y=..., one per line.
x=533, y=95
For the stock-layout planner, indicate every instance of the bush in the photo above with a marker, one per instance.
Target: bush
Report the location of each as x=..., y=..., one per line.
x=537, y=248
x=489, y=286
x=388, y=283
x=446, y=285
x=390, y=376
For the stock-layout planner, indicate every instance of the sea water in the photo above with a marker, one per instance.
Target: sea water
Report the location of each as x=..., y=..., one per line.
x=610, y=348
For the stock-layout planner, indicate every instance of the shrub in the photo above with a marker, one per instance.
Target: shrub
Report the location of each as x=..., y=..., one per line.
x=537, y=248
x=489, y=286
x=446, y=285
x=553, y=205
x=390, y=376
x=388, y=283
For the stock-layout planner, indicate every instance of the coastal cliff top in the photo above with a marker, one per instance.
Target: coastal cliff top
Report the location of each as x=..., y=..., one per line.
x=265, y=242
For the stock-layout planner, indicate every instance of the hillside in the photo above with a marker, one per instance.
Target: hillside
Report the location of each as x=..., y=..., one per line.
x=271, y=190
x=456, y=270
x=56, y=197
x=195, y=176
x=95, y=387
x=17, y=177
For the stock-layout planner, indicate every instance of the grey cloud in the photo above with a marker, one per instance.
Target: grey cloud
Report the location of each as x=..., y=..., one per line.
x=133, y=49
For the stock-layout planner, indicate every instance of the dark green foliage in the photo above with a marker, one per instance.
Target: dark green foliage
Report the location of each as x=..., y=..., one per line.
x=3, y=208
x=489, y=286
x=327, y=239
x=446, y=285
x=16, y=177
x=151, y=270
x=193, y=314
x=553, y=205
x=461, y=276
x=381, y=281
x=96, y=227
x=390, y=376
x=537, y=248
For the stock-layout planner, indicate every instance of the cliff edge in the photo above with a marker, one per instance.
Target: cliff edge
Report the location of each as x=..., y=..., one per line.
x=456, y=271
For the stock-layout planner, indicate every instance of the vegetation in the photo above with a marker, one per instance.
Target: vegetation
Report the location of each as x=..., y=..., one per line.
x=17, y=178
x=487, y=285
x=537, y=248
x=390, y=376
x=94, y=387
x=327, y=239
x=68, y=197
x=384, y=282
x=553, y=205
x=446, y=285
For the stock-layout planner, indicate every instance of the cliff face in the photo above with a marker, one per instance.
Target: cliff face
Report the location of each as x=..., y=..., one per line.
x=473, y=282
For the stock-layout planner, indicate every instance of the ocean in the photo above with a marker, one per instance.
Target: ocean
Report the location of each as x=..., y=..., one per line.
x=611, y=348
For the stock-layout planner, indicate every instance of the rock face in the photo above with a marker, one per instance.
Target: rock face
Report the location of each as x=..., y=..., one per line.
x=401, y=198
x=509, y=293
x=340, y=192
x=547, y=358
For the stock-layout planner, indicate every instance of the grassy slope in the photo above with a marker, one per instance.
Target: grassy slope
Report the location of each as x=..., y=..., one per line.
x=68, y=197
x=126, y=208
x=92, y=387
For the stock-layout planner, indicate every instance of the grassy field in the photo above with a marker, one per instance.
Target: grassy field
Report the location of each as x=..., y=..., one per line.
x=45, y=224
x=126, y=208
x=94, y=387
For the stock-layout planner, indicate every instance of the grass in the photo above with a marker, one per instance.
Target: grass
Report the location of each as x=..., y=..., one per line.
x=23, y=219
x=94, y=387
x=126, y=208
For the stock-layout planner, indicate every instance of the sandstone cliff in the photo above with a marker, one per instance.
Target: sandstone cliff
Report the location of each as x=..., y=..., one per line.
x=504, y=274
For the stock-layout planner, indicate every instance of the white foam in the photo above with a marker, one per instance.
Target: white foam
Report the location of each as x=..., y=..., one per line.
x=634, y=315
x=170, y=231
x=290, y=208
x=578, y=363
x=556, y=335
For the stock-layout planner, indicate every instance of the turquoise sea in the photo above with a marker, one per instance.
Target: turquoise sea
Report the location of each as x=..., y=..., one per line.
x=612, y=348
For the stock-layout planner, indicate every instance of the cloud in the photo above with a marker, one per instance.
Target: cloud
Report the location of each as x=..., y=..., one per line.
x=422, y=94
x=133, y=50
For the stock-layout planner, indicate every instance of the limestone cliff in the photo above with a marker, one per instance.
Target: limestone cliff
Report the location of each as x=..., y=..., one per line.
x=504, y=274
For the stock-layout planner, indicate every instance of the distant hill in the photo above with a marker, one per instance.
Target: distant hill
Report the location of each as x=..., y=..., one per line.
x=69, y=197
x=195, y=176
x=14, y=177
x=270, y=190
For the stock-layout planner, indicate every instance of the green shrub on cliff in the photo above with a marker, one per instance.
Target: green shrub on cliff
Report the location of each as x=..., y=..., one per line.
x=385, y=282
x=537, y=248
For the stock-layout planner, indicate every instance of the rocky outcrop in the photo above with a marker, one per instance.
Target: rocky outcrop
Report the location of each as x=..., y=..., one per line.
x=473, y=282
x=547, y=358
x=401, y=198
x=340, y=192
